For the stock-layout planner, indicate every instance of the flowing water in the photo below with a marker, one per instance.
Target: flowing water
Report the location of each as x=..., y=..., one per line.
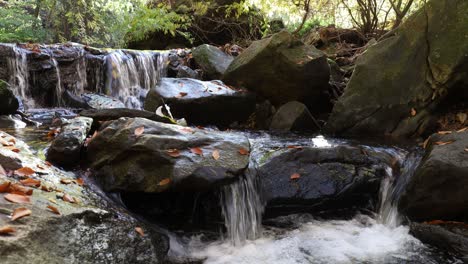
x=19, y=75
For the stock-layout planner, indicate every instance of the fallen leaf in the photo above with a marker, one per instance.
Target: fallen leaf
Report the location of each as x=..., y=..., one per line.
x=15, y=150
x=139, y=230
x=46, y=188
x=65, y=181
x=444, y=132
x=52, y=201
x=181, y=94
x=80, y=181
x=173, y=153
x=4, y=187
x=187, y=129
x=413, y=112
x=31, y=182
x=216, y=154
x=462, y=130
x=426, y=142
x=53, y=209
x=20, y=213
x=12, y=140
x=295, y=176
x=25, y=171
x=295, y=147
x=164, y=182
x=243, y=151
x=6, y=230
x=40, y=167
x=19, y=189
x=48, y=163
x=4, y=142
x=197, y=151
x=139, y=131
x=17, y=198
x=68, y=198
x=441, y=143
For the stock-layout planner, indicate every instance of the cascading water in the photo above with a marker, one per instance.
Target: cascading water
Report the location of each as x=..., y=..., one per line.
x=58, y=86
x=18, y=70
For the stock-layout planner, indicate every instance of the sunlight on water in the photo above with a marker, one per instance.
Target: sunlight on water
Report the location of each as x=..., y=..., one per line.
x=321, y=142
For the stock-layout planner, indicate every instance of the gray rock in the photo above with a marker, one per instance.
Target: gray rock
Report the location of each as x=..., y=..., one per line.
x=116, y=113
x=187, y=72
x=100, y=101
x=65, y=149
x=294, y=116
x=201, y=102
x=212, y=61
x=438, y=188
x=8, y=102
x=126, y=162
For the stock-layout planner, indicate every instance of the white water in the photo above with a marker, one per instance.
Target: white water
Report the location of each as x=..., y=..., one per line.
x=19, y=75
x=58, y=93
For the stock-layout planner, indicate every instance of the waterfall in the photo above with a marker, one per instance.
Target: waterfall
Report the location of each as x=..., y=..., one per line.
x=242, y=209
x=19, y=74
x=58, y=86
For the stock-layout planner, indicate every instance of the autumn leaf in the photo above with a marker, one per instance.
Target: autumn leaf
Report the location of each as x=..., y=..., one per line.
x=48, y=163
x=53, y=209
x=80, y=181
x=20, y=189
x=31, y=182
x=181, y=94
x=52, y=201
x=164, y=182
x=5, y=143
x=12, y=140
x=25, y=171
x=15, y=150
x=215, y=154
x=173, y=153
x=295, y=176
x=413, y=112
x=139, y=131
x=295, y=147
x=187, y=129
x=20, y=213
x=444, y=132
x=46, y=188
x=17, y=198
x=6, y=230
x=68, y=198
x=4, y=187
x=197, y=151
x=243, y=151
x=462, y=130
x=65, y=181
x=441, y=143
x=426, y=142
x=140, y=231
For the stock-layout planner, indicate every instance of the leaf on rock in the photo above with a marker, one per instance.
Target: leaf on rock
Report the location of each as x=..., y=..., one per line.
x=173, y=153
x=187, y=129
x=426, y=142
x=4, y=187
x=140, y=231
x=31, y=182
x=181, y=94
x=68, y=198
x=80, y=181
x=25, y=171
x=12, y=140
x=462, y=130
x=295, y=147
x=139, y=131
x=295, y=176
x=17, y=198
x=215, y=154
x=20, y=213
x=442, y=143
x=19, y=189
x=164, y=182
x=444, y=132
x=6, y=230
x=65, y=181
x=197, y=151
x=53, y=209
x=48, y=163
x=413, y=112
x=46, y=188
x=243, y=151
x=15, y=150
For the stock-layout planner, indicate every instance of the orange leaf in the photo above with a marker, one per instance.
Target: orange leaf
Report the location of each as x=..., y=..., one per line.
x=295, y=176
x=31, y=182
x=12, y=140
x=53, y=209
x=19, y=189
x=15, y=150
x=197, y=151
x=164, y=182
x=65, y=181
x=173, y=153
x=295, y=147
x=46, y=188
x=181, y=94
x=444, y=132
x=139, y=131
x=139, y=230
x=4, y=187
x=426, y=142
x=68, y=198
x=441, y=143
x=413, y=112
x=80, y=181
x=17, y=198
x=19, y=213
x=243, y=151
x=215, y=154
x=25, y=171
x=6, y=230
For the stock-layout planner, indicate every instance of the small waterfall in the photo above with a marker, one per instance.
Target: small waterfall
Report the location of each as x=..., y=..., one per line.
x=58, y=86
x=242, y=208
x=19, y=74
x=82, y=81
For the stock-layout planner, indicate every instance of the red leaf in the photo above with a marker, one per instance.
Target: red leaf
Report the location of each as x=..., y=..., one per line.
x=31, y=182
x=181, y=94
x=187, y=129
x=140, y=231
x=215, y=154
x=139, y=131
x=173, y=153
x=197, y=151
x=68, y=198
x=295, y=176
x=243, y=151
x=53, y=209
x=17, y=198
x=4, y=187
x=80, y=181
x=295, y=147
x=25, y=171
x=65, y=181
x=6, y=230
x=20, y=213
x=164, y=182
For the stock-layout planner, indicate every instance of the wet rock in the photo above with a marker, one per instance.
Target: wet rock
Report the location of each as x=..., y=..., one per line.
x=212, y=61
x=384, y=90
x=8, y=102
x=100, y=101
x=11, y=121
x=263, y=115
x=294, y=116
x=327, y=179
x=438, y=188
x=164, y=157
x=65, y=150
x=282, y=69
x=201, y=102
x=116, y=113
x=48, y=115
x=89, y=229
x=187, y=72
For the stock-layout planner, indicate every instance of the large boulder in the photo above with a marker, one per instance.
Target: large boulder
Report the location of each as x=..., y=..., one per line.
x=294, y=116
x=86, y=227
x=212, y=61
x=319, y=179
x=8, y=102
x=139, y=155
x=282, y=69
x=65, y=150
x=400, y=83
x=201, y=102
x=99, y=115
x=438, y=188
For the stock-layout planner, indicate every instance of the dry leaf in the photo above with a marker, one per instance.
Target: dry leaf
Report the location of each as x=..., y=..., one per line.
x=53, y=209
x=444, y=132
x=48, y=163
x=6, y=230
x=462, y=130
x=46, y=188
x=181, y=94
x=40, y=167
x=215, y=154
x=25, y=171
x=52, y=201
x=80, y=181
x=4, y=187
x=243, y=151
x=187, y=129
x=17, y=198
x=441, y=143
x=31, y=182
x=139, y=230
x=68, y=198
x=426, y=142
x=197, y=151
x=15, y=150
x=139, y=131
x=4, y=142
x=19, y=189
x=12, y=140
x=413, y=112
x=20, y=213
x=295, y=147
x=65, y=181
x=295, y=176
x=173, y=153
x=164, y=182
